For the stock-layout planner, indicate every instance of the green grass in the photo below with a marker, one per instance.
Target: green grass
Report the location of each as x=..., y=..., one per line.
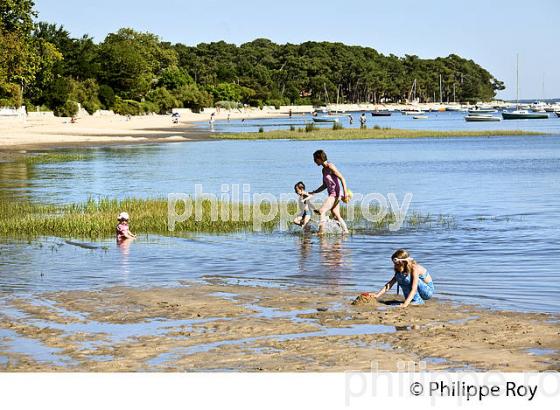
x=48, y=157
x=97, y=219
x=371, y=133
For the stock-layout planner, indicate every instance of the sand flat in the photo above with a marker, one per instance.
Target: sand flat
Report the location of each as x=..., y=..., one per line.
x=203, y=326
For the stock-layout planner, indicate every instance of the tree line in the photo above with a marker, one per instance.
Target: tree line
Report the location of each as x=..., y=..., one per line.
x=43, y=66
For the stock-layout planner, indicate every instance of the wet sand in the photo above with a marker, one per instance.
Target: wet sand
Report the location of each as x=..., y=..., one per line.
x=216, y=326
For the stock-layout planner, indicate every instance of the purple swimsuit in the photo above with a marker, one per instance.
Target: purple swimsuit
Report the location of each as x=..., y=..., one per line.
x=331, y=182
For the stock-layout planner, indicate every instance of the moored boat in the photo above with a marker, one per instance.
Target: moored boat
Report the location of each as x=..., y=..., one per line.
x=524, y=115
x=481, y=118
x=482, y=111
x=325, y=119
x=420, y=117
x=383, y=113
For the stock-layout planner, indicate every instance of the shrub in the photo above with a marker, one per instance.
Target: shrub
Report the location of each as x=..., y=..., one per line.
x=337, y=126
x=310, y=127
x=127, y=107
x=68, y=109
x=164, y=100
x=106, y=96
x=261, y=129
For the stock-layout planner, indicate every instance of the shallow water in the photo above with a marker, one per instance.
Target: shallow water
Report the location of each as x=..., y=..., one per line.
x=503, y=193
x=436, y=121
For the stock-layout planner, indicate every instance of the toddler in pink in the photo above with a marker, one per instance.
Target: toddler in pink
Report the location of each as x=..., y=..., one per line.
x=123, y=232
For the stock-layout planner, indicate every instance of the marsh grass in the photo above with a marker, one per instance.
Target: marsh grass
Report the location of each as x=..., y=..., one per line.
x=313, y=133
x=53, y=157
x=96, y=219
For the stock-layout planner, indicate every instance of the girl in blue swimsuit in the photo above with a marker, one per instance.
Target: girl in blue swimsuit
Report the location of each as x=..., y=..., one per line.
x=413, y=279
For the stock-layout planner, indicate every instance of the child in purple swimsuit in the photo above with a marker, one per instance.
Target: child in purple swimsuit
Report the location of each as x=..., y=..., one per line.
x=332, y=179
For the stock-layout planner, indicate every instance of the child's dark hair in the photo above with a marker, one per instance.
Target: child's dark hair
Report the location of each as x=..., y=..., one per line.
x=299, y=185
x=320, y=154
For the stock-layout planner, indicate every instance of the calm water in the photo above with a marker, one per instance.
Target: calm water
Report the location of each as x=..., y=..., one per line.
x=436, y=121
x=504, y=194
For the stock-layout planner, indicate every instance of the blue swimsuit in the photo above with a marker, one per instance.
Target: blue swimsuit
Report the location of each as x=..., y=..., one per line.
x=424, y=291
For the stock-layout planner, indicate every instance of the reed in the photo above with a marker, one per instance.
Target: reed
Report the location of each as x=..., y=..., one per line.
x=371, y=133
x=96, y=219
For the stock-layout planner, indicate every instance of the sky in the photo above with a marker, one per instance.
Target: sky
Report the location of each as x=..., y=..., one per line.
x=491, y=33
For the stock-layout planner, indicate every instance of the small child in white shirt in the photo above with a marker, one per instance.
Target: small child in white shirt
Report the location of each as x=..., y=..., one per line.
x=305, y=205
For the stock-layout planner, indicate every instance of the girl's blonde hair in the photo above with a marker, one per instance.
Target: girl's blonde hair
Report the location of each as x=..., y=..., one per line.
x=401, y=255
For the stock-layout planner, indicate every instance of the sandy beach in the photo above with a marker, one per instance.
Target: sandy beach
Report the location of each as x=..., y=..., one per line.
x=51, y=132
x=217, y=326
x=44, y=131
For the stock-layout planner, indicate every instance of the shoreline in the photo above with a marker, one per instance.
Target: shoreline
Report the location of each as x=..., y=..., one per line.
x=44, y=132
x=214, y=325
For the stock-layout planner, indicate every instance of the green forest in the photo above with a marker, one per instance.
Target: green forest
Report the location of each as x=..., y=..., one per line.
x=44, y=68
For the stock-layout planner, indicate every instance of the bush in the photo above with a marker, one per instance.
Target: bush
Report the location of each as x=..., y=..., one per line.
x=148, y=107
x=261, y=129
x=376, y=127
x=164, y=100
x=310, y=127
x=68, y=109
x=127, y=107
x=292, y=128
x=10, y=95
x=190, y=96
x=106, y=96
x=337, y=126
x=228, y=105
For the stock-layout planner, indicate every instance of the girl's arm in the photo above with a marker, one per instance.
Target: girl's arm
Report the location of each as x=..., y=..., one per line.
x=320, y=189
x=413, y=290
x=130, y=235
x=385, y=288
x=335, y=171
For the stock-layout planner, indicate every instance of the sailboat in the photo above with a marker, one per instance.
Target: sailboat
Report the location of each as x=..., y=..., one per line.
x=522, y=114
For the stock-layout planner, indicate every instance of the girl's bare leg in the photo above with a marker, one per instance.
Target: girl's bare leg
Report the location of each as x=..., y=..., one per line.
x=338, y=217
x=327, y=206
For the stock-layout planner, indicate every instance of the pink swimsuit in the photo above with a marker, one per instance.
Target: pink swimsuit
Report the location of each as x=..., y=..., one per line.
x=331, y=182
x=122, y=230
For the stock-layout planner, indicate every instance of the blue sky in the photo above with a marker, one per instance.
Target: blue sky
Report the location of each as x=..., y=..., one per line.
x=489, y=32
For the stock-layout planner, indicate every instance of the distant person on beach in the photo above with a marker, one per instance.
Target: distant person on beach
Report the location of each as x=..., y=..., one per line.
x=123, y=231
x=350, y=118
x=363, y=120
x=304, y=204
x=332, y=180
x=290, y=113
x=412, y=278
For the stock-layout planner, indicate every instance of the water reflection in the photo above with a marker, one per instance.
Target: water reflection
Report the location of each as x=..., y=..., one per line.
x=124, y=249
x=327, y=257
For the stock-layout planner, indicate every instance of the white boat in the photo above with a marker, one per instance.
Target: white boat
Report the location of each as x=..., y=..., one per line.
x=325, y=119
x=455, y=108
x=481, y=118
x=415, y=112
x=420, y=117
x=476, y=111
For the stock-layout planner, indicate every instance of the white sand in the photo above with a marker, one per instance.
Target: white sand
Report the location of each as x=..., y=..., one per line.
x=36, y=130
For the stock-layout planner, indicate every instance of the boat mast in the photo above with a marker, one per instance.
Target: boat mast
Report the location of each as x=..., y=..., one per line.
x=517, y=107
x=440, y=92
